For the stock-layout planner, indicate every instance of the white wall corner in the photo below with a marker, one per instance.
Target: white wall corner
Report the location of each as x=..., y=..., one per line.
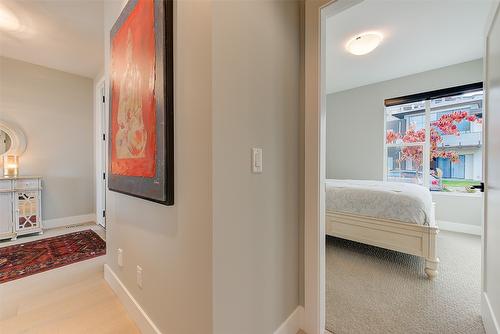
x=69, y=221
x=457, y=227
x=490, y=322
x=293, y=323
x=134, y=309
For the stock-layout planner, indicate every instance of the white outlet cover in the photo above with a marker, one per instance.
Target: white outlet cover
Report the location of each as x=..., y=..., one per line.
x=119, y=256
x=139, y=276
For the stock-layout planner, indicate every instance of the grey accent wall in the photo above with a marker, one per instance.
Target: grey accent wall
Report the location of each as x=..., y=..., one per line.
x=355, y=118
x=55, y=111
x=256, y=51
x=173, y=244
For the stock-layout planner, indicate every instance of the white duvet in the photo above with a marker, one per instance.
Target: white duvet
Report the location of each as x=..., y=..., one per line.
x=409, y=203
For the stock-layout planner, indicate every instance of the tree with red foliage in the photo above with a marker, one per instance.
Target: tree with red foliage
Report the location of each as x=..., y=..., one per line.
x=447, y=124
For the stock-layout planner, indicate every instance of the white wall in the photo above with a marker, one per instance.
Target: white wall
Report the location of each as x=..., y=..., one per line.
x=464, y=209
x=173, y=244
x=54, y=109
x=355, y=118
x=256, y=104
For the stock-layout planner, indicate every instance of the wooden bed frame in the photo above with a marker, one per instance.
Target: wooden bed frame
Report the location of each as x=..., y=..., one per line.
x=407, y=238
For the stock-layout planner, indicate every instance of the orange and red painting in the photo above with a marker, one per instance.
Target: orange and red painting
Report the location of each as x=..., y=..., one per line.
x=133, y=106
x=141, y=108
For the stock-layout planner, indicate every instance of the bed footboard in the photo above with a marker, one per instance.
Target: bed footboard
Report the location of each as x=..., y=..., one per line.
x=390, y=234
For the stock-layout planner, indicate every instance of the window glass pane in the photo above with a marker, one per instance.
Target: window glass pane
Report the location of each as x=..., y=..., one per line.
x=404, y=164
x=456, y=142
x=405, y=123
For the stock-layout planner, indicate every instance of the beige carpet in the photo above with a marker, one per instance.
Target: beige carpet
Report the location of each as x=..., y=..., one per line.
x=372, y=290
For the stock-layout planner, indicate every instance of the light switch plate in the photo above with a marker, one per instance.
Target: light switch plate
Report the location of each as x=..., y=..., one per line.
x=257, y=160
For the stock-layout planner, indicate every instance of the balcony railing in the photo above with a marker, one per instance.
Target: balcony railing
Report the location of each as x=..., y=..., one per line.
x=469, y=139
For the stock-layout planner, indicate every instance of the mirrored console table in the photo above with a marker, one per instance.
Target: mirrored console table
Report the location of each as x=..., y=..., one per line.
x=20, y=206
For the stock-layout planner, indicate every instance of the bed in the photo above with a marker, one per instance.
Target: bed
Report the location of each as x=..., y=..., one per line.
x=391, y=215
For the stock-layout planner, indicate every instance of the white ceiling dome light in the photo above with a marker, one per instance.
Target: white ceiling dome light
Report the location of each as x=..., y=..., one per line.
x=364, y=43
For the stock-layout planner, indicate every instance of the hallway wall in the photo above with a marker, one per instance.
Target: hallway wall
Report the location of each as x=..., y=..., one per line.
x=225, y=257
x=256, y=51
x=173, y=244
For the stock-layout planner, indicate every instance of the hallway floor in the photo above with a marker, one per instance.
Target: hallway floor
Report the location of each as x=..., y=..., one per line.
x=87, y=306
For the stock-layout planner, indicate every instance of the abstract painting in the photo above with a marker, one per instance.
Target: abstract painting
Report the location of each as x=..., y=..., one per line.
x=141, y=102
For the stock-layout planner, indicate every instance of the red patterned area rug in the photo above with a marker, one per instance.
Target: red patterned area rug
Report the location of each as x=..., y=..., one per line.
x=34, y=257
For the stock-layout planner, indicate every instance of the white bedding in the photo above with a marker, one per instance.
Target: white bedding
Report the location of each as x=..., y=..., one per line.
x=409, y=203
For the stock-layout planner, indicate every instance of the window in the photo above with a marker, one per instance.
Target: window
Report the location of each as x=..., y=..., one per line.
x=435, y=138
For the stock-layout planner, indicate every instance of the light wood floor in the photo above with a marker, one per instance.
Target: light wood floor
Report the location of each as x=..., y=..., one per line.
x=88, y=306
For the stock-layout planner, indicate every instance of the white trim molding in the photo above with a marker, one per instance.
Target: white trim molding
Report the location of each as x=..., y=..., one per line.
x=134, y=309
x=69, y=221
x=293, y=324
x=458, y=227
x=491, y=325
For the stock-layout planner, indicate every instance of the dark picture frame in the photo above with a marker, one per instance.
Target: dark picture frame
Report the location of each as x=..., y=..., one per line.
x=155, y=182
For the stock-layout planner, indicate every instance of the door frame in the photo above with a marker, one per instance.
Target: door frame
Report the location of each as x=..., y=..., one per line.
x=488, y=317
x=100, y=150
x=315, y=162
x=314, y=171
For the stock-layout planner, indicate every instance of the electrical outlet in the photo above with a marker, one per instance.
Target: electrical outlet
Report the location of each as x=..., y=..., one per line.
x=119, y=257
x=139, y=276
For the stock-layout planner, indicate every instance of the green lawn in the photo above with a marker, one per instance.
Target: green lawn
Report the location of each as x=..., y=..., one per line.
x=459, y=183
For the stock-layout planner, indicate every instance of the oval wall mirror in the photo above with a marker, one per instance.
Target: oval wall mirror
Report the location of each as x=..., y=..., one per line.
x=5, y=142
x=12, y=139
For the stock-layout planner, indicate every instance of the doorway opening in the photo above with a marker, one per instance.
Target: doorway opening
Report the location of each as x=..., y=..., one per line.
x=403, y=165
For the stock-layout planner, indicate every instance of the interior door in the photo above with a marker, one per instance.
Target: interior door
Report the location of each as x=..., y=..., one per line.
x=104, y=155
x=491, y=241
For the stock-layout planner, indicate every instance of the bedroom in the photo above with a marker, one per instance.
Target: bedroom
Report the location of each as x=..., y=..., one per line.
x=404, y=156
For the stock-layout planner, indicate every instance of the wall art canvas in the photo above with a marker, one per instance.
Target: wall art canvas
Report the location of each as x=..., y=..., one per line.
x=141, y=102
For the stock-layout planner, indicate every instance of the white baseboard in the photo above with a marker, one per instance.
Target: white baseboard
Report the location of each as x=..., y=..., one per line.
x=68, y=221
x=457, y=227
x=293, y=323
x=138, y=315
x=489, y=320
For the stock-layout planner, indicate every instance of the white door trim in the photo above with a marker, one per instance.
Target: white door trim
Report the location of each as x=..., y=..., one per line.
x=489, y=320
x=314, y=173
x=100, y=158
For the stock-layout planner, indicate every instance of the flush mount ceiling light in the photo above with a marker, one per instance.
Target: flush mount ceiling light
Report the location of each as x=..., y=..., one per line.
x=8, y=21
x=364, y=43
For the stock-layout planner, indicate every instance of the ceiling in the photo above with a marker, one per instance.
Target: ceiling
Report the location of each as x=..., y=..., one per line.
x=66, y=35
x=418, y=36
